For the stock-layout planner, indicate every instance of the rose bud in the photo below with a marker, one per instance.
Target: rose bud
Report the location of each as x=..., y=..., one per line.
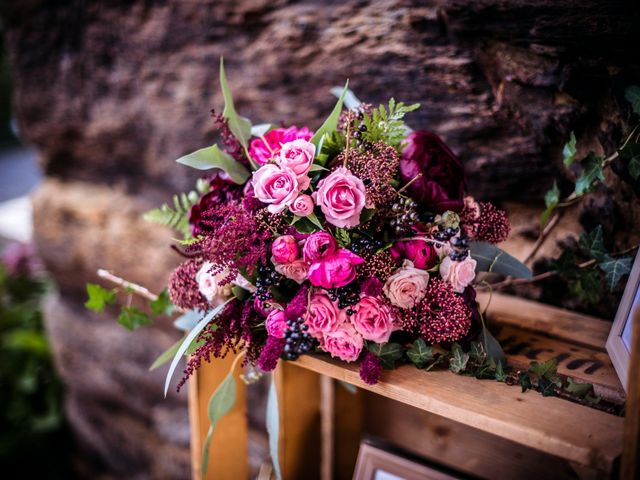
x=285, y=249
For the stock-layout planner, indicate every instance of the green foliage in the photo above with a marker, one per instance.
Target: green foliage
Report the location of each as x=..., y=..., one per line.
x=388, y=353
x=99, y=297
x=592, y=171
x=331, y=123
x=420, y=354
x=333, y=143
x=587, y=286
x=632, y=94
x=239, y=126
x=458, y=360
x=569, y=151
x=592, y=244
x=162, y=305
x=490, y=258
x=614, y=269
x=631, y=154
x=386, y=123
x=212, y=157
x=220, y=403
x=132, y=318
x=551, y=200
x=342, y=236
x=176, y=216
x=166, y=356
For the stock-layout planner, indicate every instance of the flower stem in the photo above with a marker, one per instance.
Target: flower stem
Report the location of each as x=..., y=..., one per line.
x=410, y=182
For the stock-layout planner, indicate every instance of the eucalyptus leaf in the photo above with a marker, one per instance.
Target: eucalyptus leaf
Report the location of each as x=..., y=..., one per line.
x=490, y=258
x=350, y=100
x=273, y=427
x=260, y=129
x=220, y=403
x=239, y=126
x=212, y=157
x=165, y=356
x=492, y=346
x=187, y=321
x=331, y=123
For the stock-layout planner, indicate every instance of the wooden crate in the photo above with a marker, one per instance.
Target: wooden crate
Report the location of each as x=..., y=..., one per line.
x=483, y=428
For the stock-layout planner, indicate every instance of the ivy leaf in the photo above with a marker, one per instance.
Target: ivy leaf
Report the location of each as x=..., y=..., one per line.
x=220, y=403
x=587, y=287
x=524, y=381
x=547, y=387
x=614, y=269
x=634, y=167
x=331, y=123
x=459, y=359
x=546, y=369
x=569, y=151
x=566, y=264
x=591, y=172
x=162, y=305
x=578, y=389
x=500, y=374
x=343, y=237
x=212, y=157
x=632, y=94
x=388, y=353
x=490, y=258
x=592, y=244
x=99, y=297
x=132, y=318
x=631, y=154
x=239, y=126
x=420, y=353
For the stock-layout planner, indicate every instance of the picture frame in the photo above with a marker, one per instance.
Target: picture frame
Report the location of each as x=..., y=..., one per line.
x=619, y=340
x=381, y=462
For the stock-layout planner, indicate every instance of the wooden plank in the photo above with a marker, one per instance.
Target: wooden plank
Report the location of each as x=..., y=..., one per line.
x=349, y=423
x=630, y=468
x=583, y=364
x=552, y=425
x=228, y=447
x=555, y=322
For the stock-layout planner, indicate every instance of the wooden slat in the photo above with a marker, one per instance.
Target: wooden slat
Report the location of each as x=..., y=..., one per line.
x=555, y=322
x=228, y=448
x=579, y=434
x=631, y=457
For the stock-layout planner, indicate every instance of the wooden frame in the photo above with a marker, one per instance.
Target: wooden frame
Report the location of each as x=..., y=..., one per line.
x=619, y=341
x=372, y=460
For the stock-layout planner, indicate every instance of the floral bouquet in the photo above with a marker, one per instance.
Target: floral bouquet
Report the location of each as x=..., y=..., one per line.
x=356, y=240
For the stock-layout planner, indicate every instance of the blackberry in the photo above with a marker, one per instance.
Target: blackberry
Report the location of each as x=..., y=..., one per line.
x=267, y=277
x=298, y=340
x=460, y=249
x=347, y=296
x=405, y=216
x=364, y=245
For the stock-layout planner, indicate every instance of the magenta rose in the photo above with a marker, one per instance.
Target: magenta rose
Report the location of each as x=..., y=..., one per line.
x=323, y=315
x=345, y=343
x=422, y=254
x=261, y=152
x=297, y=270
x=458, y=274
x=302, y=205
x=442, y=184
x=336, y=270
x=319, y=245
x=285, y=249
x=372, y=319
x=275, y=186
x=341, y=196
x=298, y=156
x=276, y=323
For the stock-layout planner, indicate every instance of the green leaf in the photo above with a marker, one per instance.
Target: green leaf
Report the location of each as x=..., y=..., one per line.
x=632, y=94
x=569, y=151
x=273, y=427
x=240, y=293
x=524, y=381
x=388, y=353
x=165, y=356
x=631, y=154
x=490, y=258
x=552, y=197
x=592, y=244
x=331, y=123
x=634, y=167
x=220, y=403
x=366, y=215
x=591, y=172
x=261, y=129
x=547, y=387
x=492, y=346
x=546, y=369
x=343, y=237
x=175, y=216
x=578, y=389
x=314, y=219
x=132, y=318
x=614, y=269
x=188, y=320
x=162, y=305
x=350, y=100
x=459, y=359
x=317, y=168
x=212, y=157
x=500, y=374
x=239, y=126
x=188, y=339
x=99, y=297
x=587, y=287
x=420, y=353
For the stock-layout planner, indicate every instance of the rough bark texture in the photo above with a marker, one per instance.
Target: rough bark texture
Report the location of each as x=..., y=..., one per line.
x=112, y=92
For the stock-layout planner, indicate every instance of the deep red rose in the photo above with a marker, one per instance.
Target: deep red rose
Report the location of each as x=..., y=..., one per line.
x=442, y=184
x=223, y=190
x=422, y=254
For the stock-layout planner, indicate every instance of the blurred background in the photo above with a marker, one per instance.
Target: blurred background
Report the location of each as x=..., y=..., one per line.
x=97, y=99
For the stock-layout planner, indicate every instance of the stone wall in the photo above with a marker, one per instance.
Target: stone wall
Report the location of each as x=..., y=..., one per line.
x=112, y=92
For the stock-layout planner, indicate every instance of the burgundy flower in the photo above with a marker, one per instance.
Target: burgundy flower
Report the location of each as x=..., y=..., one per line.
x=223, y=190
x=370, y=369
x=442, y=184
x=422, y=254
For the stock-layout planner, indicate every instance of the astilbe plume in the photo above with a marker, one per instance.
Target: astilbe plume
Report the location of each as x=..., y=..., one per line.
x=442, y=316
x=234, y=240
x=271, y=352
x=370, y=369
x=183, y=289
x=231, y=144
x=485, y=222
x=297, y=307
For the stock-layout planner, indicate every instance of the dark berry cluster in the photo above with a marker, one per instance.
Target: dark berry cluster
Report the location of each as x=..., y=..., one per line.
x=404, y=216
x=460, y=249
x=267, y=277
x=298, y=340
x=444, y=234
x=364, y=245
x=346, y=296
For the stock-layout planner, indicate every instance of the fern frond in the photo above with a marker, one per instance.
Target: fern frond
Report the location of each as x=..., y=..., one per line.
x=175, y=216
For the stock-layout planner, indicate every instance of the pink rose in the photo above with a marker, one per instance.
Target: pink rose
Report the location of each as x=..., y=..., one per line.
x=269, y=145
x=319, y=245
x=284, y=249
x=298, y=156
x=407, y=286
x=336, y=270
x=422, y=254
x=341, y=196
x=344, y=343
x=275, y=186
x=296, y=270
x=276, y=323
x=372, y=319
x=302, y=205
x=323, y=315
x=458, y=274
